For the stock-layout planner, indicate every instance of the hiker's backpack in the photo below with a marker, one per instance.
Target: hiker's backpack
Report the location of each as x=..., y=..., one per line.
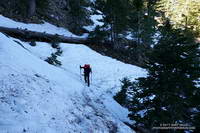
x=86, y=66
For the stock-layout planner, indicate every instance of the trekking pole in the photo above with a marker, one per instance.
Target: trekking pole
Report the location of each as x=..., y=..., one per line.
x=80, y=73
x=91, y=78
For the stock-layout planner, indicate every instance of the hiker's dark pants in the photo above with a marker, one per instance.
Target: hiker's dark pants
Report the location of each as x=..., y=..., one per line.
x=87, y=79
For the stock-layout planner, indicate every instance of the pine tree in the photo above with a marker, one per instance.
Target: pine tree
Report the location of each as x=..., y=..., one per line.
x=193, y=18
x=148, y=23
x=142, y=21
x=31, y=7
x=182, y=13
x=115, y=19
x=121, y=97
x=138, y=6
x=78, y=15
x=170, y=93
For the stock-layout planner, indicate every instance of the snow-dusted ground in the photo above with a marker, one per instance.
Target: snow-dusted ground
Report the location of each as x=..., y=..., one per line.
x=96, y=20
x=37, y=97
x=46, y=27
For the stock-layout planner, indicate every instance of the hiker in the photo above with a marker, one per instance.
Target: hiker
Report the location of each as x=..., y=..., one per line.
x=87, y=71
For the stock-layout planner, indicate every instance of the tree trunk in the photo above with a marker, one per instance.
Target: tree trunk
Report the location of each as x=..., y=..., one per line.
x=31, y=7
x=138, y=30
x=27, y=35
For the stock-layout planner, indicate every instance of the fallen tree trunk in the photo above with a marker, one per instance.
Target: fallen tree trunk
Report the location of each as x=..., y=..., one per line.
x=28, y=35
x=104, y=47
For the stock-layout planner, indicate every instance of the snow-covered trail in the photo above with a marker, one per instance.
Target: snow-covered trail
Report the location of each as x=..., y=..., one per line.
x=36, y=97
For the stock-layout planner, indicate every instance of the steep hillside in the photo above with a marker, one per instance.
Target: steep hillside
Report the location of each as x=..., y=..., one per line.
x=38, y=97
x=44, y=43
x=71, y=14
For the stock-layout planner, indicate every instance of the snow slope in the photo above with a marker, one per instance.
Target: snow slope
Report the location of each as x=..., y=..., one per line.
x=49, y=28
x=45, y=27
x=37, y=97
